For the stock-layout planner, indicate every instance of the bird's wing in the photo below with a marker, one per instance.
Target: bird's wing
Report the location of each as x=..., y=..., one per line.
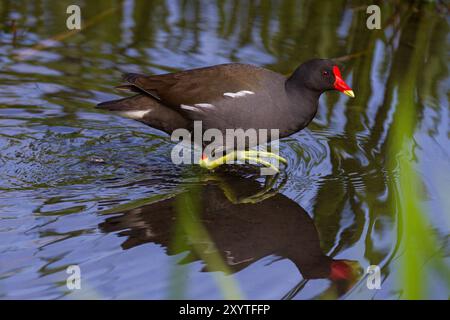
x=202, y=86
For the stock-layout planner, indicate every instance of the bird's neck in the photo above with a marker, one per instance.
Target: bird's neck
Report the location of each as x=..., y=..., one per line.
x=304, y=101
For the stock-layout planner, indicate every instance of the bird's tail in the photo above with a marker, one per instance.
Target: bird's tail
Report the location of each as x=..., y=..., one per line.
x=135, y=107
x=144, y=108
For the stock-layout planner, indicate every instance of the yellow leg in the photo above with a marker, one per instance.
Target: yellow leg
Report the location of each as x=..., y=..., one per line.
x=251, y=155
x=212, y=164
x=265, y=154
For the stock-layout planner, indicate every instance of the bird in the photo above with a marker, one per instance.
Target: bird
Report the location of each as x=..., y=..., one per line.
x=230, y=96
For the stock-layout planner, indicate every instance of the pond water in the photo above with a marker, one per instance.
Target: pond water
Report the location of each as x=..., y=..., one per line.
x=79, y=186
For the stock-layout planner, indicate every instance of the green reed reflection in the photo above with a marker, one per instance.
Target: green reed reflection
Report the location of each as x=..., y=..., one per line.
x=191, y=230
x=419, y=250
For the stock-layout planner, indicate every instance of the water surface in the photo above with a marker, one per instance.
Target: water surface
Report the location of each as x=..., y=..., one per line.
x=79, y=186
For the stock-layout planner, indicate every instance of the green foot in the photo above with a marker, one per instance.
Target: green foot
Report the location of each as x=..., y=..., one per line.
x=250, y=156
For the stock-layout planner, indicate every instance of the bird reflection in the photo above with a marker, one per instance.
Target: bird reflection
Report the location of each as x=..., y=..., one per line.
x=241, y=233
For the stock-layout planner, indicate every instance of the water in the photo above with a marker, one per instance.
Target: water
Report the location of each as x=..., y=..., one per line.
x=83, y=187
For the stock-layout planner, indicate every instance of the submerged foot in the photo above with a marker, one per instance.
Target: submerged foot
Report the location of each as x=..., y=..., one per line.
x=272, y=186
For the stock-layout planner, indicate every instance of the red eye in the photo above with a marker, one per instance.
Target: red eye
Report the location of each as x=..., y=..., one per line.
x=325, y=73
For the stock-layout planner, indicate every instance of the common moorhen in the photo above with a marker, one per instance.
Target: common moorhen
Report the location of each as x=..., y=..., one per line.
x=230, y=96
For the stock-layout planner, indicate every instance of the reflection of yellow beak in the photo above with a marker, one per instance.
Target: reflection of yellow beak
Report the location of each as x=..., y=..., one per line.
x=349, y=93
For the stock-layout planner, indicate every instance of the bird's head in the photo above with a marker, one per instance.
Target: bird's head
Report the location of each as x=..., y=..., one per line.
x=321, y=75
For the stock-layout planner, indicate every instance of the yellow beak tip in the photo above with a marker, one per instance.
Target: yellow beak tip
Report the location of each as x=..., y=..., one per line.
x=350, y=93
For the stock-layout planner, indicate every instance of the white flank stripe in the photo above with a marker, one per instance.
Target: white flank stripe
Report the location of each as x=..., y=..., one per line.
x=205, y=105
x=134, y=114
x=186, y=107
x=239, y=94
